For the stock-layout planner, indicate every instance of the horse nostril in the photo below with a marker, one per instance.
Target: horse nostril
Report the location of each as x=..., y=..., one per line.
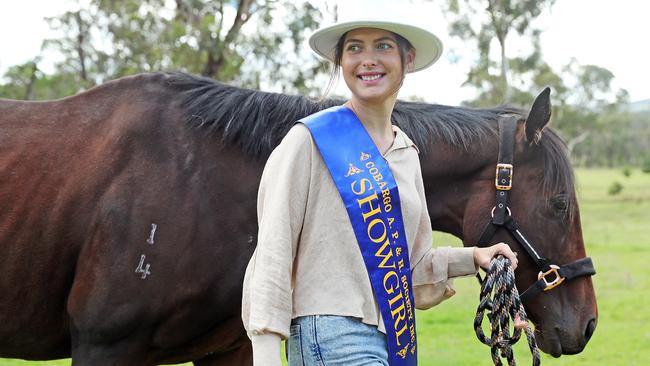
x=591, y=327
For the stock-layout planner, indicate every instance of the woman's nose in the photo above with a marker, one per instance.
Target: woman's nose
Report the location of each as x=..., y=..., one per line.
x=369, y=63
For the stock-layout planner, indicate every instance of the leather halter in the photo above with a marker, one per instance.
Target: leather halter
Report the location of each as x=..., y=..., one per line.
x=550, y=275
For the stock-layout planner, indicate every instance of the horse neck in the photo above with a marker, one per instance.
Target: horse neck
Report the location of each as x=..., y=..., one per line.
x=454, y=180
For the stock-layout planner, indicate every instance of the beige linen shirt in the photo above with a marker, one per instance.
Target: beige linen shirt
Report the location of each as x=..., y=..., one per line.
x=307, y=260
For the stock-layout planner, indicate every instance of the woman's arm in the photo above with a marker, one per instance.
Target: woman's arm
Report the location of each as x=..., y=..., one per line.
x=282, y=197
x=433, y=270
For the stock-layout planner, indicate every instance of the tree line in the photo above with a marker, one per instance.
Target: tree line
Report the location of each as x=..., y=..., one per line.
x=258, y=44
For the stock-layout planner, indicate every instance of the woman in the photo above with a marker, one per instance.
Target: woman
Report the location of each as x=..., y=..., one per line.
x=327, y=274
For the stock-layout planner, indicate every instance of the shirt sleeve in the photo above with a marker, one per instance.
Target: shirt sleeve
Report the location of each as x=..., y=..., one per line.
x=282, y=197
x=433, y=269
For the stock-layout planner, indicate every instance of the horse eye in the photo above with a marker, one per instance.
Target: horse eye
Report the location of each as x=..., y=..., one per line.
x=560, y=203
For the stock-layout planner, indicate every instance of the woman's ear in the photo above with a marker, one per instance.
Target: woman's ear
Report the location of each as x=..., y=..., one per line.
x=410, y=60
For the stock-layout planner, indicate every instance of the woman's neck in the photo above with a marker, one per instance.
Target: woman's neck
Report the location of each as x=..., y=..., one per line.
x=376, y=118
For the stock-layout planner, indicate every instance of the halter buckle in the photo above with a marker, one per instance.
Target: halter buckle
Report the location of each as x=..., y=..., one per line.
x=553, y=282
x=503, y=183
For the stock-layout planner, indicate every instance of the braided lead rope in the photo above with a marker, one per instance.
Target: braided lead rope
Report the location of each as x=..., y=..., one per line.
x=500, y=299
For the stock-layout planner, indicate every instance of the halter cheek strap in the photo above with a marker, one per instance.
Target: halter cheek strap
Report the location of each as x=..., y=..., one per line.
x=550, y=275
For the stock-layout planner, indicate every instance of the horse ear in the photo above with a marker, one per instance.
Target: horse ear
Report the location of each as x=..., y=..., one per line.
x=539, y=115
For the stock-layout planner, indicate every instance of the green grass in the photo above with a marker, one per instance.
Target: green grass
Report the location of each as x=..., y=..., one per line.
x=616, y=235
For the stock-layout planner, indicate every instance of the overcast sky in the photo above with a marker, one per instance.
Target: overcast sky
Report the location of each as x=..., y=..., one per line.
x=608, y=33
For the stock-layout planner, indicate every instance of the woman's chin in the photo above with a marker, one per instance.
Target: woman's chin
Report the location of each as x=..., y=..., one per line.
x=373, y=97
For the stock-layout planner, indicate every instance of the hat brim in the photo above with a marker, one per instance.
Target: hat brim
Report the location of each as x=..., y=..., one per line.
x=428, y=47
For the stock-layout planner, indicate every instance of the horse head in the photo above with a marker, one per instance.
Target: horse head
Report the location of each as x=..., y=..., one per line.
x=533, y=204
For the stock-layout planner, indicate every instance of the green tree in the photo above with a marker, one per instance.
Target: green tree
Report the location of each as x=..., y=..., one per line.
x=481, y=22
x=83, y=64
x=590, y=114
x=27, y=82
x=593, y=117
x=245, y=42
x=20, y=81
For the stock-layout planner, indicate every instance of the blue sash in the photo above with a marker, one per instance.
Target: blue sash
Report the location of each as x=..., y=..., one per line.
x=370, y=195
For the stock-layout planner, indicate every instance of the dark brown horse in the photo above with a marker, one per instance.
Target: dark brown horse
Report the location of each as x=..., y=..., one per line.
x=128, y=215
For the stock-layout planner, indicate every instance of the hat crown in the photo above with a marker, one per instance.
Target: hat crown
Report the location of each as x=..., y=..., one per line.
x=384, y=11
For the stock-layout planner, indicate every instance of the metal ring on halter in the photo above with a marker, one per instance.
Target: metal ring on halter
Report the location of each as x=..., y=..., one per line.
x=507, y=208
x=558, y=279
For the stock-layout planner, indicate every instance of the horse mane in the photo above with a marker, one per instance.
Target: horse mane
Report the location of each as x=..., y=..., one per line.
x=256, y=121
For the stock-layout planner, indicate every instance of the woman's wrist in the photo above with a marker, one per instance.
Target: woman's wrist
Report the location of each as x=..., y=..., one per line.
x=266, y=349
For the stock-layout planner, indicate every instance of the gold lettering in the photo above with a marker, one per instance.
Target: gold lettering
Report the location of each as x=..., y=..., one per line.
x=397, y=297
x=398, y=333
x=373, y=210
x=390, y=223
x=363, y=186
x=401, y=315
x=400, y=311
x=386, y=256
x=392, y=288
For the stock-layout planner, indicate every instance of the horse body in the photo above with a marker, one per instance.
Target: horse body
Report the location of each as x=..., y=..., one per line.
x=81, y=188
x=130, y=215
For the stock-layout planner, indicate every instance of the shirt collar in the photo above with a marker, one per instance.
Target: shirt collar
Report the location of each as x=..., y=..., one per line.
x=402, y=141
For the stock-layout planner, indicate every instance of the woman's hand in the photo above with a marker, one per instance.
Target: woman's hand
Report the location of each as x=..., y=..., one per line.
x=483, y=256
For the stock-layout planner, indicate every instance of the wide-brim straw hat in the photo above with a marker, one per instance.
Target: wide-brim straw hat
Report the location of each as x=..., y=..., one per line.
x=428, y=47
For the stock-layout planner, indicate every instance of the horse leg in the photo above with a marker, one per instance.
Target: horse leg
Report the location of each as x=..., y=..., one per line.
x=240, y=355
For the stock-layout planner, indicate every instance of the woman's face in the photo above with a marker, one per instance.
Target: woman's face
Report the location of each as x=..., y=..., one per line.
x=371, y=64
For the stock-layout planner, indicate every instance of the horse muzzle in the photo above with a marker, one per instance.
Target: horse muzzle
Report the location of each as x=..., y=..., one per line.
x=557, y=341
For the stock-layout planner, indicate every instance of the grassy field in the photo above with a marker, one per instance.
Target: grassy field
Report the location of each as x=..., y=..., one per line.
x=616, y=232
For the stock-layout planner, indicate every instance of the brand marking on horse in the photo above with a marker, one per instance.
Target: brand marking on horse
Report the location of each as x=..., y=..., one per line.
x=189, y=159
x=145, y=270
x=153, y=232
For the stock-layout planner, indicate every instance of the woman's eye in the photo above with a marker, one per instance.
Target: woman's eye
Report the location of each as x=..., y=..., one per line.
x=384, y=46
x=354, y=47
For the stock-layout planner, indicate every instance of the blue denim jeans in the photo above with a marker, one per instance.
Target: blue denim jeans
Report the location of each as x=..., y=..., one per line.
x=330, y=340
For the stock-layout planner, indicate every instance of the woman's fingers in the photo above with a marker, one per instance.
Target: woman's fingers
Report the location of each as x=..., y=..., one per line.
x=519, y=323
x=483, y=256
x=504, y=249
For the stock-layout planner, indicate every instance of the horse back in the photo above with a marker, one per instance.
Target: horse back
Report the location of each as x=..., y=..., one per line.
x=114, y=226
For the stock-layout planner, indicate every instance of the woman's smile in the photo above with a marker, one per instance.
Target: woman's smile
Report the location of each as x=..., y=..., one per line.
x=371, y=78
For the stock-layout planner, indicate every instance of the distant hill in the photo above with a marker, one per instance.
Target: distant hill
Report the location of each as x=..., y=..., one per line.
x=640, y=106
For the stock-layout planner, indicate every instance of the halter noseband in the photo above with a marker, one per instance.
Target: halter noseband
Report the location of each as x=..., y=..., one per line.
x=550, y=275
